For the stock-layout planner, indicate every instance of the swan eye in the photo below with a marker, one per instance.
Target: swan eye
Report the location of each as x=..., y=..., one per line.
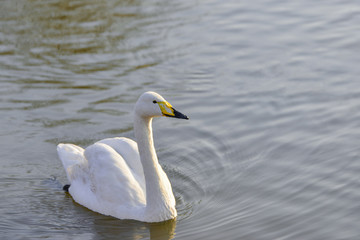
x=154, y=101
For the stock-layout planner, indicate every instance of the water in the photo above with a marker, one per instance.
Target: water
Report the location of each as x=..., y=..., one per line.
x=271, y=87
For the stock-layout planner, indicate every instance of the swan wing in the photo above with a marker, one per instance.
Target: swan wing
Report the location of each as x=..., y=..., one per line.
x=128, y=149
x=101, y=179
x=111, y=179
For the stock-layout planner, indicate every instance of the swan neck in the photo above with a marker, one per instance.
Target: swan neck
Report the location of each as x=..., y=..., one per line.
x=159, y=195
x=144, y=138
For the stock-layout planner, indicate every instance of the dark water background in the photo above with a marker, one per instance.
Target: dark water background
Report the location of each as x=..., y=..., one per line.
x=272, y=89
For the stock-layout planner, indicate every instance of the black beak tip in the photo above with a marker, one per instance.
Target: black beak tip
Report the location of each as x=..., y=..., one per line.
x=178, y=114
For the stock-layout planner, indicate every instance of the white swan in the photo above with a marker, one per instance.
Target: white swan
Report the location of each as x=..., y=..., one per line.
x=122, y=178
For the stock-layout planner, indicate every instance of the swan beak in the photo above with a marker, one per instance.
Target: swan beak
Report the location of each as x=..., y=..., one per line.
x=168, y=111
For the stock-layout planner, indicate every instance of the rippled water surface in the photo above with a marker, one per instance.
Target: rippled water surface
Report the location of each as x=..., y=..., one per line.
x=272, y=89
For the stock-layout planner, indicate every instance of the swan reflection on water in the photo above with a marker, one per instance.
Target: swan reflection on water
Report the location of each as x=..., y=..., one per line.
x=109, y=228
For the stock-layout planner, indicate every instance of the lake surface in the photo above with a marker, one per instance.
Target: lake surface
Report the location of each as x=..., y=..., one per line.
x=271, y=87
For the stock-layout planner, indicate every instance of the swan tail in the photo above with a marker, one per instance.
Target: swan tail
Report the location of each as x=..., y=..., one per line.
x=72, y=157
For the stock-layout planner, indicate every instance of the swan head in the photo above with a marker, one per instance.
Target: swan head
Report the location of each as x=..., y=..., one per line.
x=151, y=104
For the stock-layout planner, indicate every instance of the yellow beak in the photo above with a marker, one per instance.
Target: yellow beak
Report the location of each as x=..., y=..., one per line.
x=168, y=111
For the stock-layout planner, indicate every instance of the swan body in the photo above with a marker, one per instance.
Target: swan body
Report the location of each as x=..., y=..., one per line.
x=120, y=177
